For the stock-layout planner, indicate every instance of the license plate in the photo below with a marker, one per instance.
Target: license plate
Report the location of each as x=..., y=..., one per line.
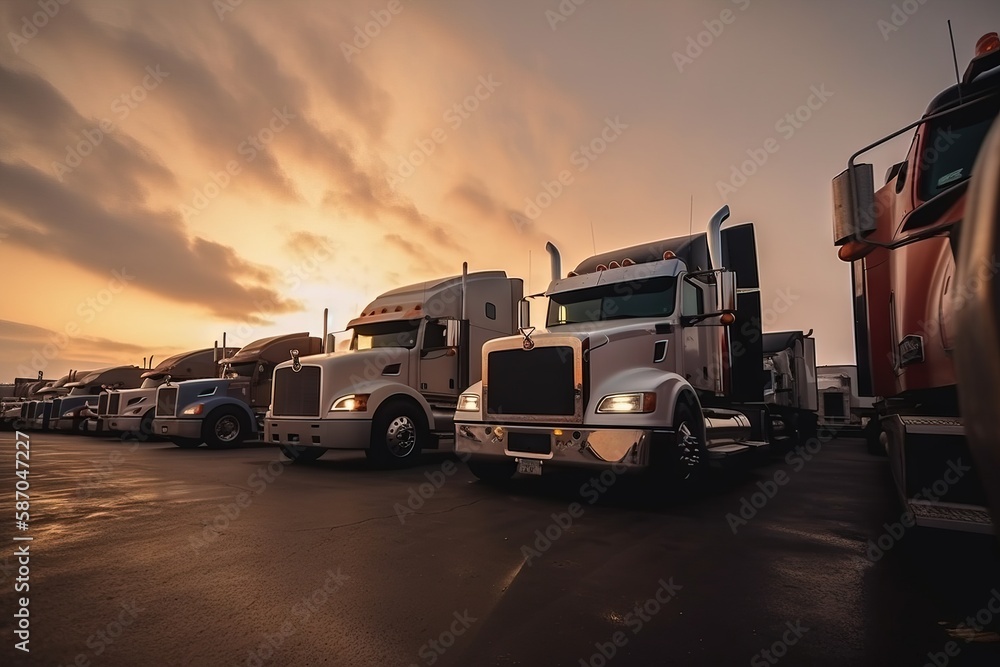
x=529, y=466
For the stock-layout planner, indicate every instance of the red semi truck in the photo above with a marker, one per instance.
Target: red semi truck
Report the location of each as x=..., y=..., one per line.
x=901, y=241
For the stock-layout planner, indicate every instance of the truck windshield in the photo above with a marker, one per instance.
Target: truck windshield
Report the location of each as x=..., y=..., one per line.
x=652, y=297
x=386, y=334
x=952, y=145
x=233, y=371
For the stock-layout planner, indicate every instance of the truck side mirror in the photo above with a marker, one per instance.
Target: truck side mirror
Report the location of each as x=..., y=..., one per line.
x=853, y=203
x=453, y=333
x=524, y=314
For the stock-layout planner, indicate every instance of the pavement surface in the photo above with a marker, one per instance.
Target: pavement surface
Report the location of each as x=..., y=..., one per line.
x=147, y=554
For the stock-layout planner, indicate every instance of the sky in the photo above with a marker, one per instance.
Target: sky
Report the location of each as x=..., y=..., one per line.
x=173, y=171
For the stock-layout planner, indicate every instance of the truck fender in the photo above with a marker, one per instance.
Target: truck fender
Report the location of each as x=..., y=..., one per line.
x=380, y=392
x=669, y=387
x=218, y=401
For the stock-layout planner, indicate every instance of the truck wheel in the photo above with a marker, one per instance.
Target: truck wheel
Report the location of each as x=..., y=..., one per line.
x=146, y=425
x=493, y=472
x=186, y=443
x=300, y=454
x=689, y=456
x=225, y=427
x=398, y=435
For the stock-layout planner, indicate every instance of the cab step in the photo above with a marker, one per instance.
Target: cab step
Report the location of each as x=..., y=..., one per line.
x=952, y=516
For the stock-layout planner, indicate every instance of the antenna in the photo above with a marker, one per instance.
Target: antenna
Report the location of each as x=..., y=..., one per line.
x=691, y=218
x=954, y=57
x=593, y=239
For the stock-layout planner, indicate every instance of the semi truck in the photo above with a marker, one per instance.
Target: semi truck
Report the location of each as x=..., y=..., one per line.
x=36, y=414
x=790, y=389
x=901, y=242
x=393, y=392
x=977, y=348
x=229, y=409
x=133, y=410
x=25, y=391
x=70, y=411
x=651, y=360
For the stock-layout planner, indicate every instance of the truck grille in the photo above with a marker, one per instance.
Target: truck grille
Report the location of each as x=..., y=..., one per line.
x=102, y=404
x=24, y=410
x=55, y=410
x=539, y=381
x=296, y=394
x=114, y=402
x=166, y=402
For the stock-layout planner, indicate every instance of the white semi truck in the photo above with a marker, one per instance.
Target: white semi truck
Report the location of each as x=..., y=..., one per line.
x=651, y=359
x=791, y=390
x=393, y=393
x=72, y=411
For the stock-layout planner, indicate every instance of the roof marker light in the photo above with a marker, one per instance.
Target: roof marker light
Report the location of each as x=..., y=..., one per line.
x=987, y=43
x=601, y=267
x=614, y=265
x=628, y=262
x=572, y=274
x=670, y=254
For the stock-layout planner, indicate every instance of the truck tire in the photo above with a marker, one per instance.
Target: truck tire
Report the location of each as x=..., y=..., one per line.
x=301, y=454
x=225, y=427
x=186, y=443
x=493, y=472
x=146, y=425
x=398, y=435
x=688, y=458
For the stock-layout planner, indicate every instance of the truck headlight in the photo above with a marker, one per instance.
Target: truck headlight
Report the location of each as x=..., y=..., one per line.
x=636, y=402
x=195, y=409
x=351, y=403
x=468, y=403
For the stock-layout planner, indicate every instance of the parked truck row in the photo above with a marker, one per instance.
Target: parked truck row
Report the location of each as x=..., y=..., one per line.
x=652, y=358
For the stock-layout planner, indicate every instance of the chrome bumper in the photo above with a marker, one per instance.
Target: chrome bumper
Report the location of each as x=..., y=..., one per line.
x=177, y=428
x=568, y=446
x=327, y=433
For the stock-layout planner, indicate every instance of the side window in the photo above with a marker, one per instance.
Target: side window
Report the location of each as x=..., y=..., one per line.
x=491, y=311
x=435, y=335
x=692, y=303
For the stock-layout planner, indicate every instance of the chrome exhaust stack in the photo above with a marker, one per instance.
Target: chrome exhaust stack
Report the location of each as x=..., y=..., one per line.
x=556, y=259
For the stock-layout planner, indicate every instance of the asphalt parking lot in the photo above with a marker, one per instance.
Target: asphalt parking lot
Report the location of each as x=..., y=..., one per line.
x=147, y=554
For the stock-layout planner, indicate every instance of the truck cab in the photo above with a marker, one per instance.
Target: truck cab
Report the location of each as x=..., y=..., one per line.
x=791, y=392
x=393, y=392
x=649, y=360
x=228, y=409
x=901, y=241
x=133, y=410
x=69, y=412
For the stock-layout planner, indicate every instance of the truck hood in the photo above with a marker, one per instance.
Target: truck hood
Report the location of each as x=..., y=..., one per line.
x=353, y=367
x=602, y=333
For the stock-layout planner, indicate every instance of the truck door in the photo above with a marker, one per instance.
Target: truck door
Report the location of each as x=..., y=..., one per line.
x=261, y=385
x=438, y=367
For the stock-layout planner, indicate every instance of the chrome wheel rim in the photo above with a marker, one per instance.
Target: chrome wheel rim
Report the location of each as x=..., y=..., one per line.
x=227, y=429
x=689, y=451
x=401, y=437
